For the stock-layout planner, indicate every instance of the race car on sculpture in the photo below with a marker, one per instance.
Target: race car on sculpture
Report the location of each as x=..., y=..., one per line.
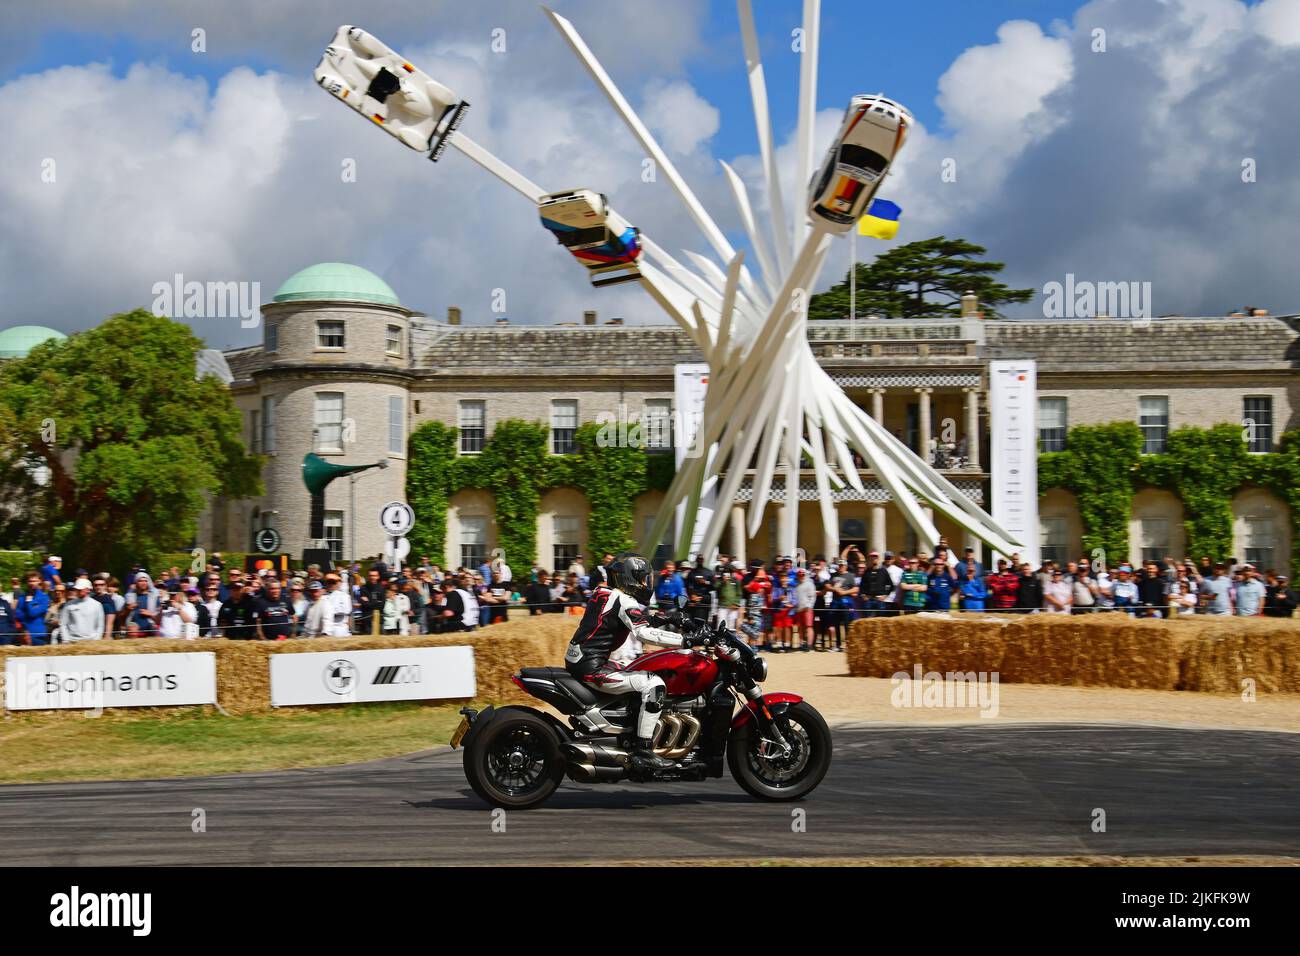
x=594, y=234
x=382, y=86
x=871, y=135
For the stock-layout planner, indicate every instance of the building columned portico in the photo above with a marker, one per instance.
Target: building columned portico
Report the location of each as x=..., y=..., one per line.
x=348, y=372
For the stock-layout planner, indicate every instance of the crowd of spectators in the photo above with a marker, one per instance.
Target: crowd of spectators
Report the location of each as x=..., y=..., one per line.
x=787, y=606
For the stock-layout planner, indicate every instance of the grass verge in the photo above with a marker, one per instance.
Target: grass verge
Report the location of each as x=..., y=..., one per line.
x=129, y=747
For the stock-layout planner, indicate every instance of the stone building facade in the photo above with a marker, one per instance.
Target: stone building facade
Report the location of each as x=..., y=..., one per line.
x=348, y=372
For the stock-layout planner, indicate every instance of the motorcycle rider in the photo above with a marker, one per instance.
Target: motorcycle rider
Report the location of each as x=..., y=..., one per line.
x=616, y=610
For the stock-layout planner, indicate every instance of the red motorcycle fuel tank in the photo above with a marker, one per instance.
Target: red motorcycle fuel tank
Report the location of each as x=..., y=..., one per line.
x=685, y=674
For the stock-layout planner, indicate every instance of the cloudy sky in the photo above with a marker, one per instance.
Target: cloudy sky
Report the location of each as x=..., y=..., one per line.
x=1106, y=139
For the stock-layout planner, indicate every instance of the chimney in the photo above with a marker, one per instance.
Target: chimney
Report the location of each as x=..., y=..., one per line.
x=502, y=320
x=614, y=322
x=589, y=317
x=970, y=305
x=453, y=315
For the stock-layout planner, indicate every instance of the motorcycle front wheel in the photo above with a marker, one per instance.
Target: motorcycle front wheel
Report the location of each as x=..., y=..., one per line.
x=515, y=761
x=768, y=772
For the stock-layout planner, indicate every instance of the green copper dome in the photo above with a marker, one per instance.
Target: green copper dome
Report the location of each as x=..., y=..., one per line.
x=336, y=280
x=21, y=339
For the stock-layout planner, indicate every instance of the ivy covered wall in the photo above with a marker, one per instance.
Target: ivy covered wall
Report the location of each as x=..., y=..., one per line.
x=1103, y=466
x=516, y=468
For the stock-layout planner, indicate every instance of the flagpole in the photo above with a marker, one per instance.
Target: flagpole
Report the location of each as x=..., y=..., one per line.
x=853, y=273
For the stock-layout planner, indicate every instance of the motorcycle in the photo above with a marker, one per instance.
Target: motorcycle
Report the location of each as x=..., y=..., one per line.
x=777, y=746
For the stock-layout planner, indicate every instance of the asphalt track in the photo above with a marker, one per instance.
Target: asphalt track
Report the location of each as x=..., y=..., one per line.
x=1023, y=790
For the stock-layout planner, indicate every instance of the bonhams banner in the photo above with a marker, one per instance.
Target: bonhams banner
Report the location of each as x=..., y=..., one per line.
x=96, y=681
x=344, y=677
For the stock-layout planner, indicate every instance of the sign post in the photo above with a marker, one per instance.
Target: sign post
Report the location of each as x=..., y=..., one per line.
x=397, y=518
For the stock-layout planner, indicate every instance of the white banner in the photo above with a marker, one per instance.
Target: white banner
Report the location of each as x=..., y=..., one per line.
x=95, y=681
x=1013, y=437
x=690, y=386
x=349, y=677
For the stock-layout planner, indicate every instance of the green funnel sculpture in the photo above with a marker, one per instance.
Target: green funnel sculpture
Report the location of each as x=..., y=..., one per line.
x=317, y=473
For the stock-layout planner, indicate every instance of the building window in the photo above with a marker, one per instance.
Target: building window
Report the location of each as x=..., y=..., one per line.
x=1153, y=418
x=1153, y=534
x=268, y=425
x=394, y=342
x=1051, y=424
x=1260, y=541
x=473, y=540
x=565, y=530
x=564, y=426
x=329, y=334
x=658, y=424
x=1052, y=534
x=473, y=427
x=334, y=534
x=396, y=433
x=329, y=421
x=255, y=431
x=1258, y=421
x=271, y=342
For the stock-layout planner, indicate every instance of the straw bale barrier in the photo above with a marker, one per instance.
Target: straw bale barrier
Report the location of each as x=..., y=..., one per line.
x=1199, y=653
x=244, y=670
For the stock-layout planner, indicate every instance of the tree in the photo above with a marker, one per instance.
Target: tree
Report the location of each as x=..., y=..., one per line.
x=134, y=445
x=923, y=278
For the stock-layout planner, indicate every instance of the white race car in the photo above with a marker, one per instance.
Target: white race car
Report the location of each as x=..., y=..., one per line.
x=594, y=234
x=871, y=135
x=382, y=86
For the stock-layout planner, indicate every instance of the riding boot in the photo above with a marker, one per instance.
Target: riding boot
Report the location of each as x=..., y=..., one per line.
x=643, y=755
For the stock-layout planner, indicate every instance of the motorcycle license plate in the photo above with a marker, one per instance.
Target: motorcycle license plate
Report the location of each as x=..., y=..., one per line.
x=460, y=733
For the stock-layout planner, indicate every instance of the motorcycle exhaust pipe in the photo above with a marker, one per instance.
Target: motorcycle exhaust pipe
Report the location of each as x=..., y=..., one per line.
x=670, y=728
x=691, y=733
x=593, y=763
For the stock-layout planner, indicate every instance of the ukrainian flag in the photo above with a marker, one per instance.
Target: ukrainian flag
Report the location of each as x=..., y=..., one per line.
x=881, y=220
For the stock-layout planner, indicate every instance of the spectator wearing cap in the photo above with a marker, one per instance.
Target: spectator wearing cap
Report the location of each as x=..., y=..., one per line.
x=143, y=602
x=52, y=570
x=876, y=586
x=805, y=601
x=30, y=608
x=974, y=592
x=1125, y=591
x=1281, y=600
x=1058, y=594
x=8, y=622
x=1003, y=587
x=1250, y=593
x=238, y=615
x=313, y=621
x=81, y=617
x=175, y=614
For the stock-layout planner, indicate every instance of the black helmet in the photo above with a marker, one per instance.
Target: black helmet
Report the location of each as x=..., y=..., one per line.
x=632, y=574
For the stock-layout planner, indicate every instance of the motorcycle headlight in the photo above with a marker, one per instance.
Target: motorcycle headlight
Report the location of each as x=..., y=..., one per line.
x=758, y=668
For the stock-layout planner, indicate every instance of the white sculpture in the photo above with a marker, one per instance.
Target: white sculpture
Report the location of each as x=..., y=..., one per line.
x=767, y=394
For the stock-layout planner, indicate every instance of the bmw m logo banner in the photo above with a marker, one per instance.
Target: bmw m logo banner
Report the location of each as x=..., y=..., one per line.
x=348, y=677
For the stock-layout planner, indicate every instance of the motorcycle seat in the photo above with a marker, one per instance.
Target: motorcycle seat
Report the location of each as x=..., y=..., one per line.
x=558, y=675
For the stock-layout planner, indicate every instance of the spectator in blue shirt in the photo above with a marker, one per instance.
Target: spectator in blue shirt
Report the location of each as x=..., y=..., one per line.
x=52, y=569
x=670, y=586
x=30, y=610
x=970, y=562
x=943, y=581
x=973, y=591
x=8, y=623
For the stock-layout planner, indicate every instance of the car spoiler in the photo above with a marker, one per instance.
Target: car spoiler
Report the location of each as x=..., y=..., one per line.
x=457, y=114
x=629, y=274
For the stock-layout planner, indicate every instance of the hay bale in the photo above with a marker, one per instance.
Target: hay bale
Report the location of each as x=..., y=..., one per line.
x=1200, y=653
x=244, y=670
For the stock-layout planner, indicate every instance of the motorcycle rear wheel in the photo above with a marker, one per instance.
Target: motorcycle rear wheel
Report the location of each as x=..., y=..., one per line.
x=787, y=777
x=515, y=761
